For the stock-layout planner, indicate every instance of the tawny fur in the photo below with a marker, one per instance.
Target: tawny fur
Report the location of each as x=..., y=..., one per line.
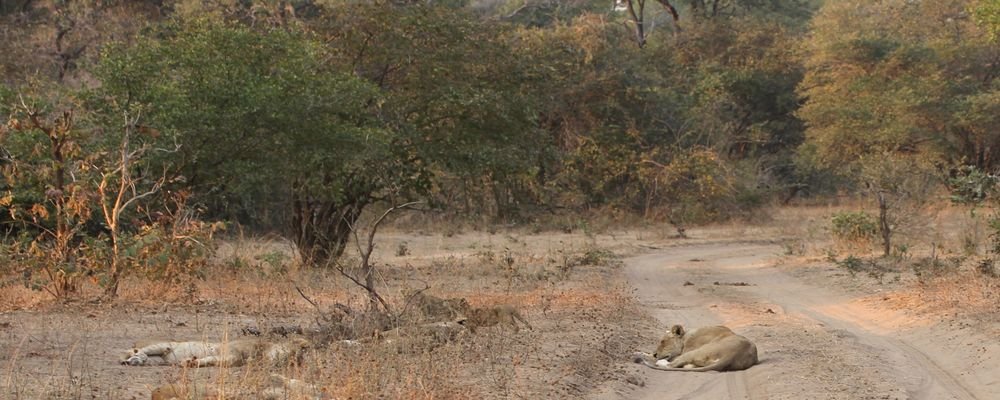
x=209, y=354
x=714, y=348
x=434, y=308
x=504, y=315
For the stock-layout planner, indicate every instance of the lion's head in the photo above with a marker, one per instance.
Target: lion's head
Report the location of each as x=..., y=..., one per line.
x=671, y=345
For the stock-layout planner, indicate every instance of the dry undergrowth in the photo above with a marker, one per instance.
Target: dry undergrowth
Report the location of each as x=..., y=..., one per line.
x=568, y=287
x=935, y=268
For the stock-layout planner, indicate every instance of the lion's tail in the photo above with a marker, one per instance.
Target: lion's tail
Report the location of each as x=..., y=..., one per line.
x=641, y=358
x=714, y=367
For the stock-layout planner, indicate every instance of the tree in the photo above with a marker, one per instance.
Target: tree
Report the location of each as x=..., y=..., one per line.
x=636, y=13
x=369, y=103
x=901, y=187
x=364, y=274
x=695, y=186
x=242, y=104
x=48, y=190
x=890, y=94
x=55, y=40
x=122, y=187
x=881, y=78
x=456, y=97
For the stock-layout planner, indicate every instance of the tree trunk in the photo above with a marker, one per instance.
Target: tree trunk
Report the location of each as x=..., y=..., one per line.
x=884, y=227
x=112, y=289
x=323, y=226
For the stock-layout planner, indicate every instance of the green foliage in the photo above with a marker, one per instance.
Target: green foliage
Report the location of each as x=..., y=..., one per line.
x=694, y=187
x=901, y=186
x=987, y=14
x=259, y=99
x=243, y=103
x=535, y=13
x=49, y=187
x=852, y=264
x=852, y=226
x=599, y=257
x=171, y=253
x=501, y=109
x=970, y=185
x=880, y=78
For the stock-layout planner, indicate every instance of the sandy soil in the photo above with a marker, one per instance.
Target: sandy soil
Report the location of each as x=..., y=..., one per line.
x=583, y=314
x=815, y=341
x=820, y=335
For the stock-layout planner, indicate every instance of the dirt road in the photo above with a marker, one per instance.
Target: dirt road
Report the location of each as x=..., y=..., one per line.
x=815, y=342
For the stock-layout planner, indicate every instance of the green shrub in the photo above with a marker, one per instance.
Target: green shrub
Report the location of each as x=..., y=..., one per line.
x=852, y=264
x=853, y=226
x=970, y=185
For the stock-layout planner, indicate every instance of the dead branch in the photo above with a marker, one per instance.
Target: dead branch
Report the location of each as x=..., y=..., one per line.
x=365, y=267
x=301, y=293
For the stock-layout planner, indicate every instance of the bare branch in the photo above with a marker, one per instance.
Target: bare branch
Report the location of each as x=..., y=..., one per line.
x=673, y=13
x=301, y=293
x=365, y=253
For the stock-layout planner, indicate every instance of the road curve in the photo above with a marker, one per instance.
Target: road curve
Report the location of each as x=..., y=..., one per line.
x=814, y=342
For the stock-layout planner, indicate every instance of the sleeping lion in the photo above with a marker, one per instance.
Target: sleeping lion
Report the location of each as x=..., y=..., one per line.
x=210, y=354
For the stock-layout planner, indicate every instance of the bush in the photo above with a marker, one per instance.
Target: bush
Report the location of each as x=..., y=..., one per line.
x=854, y=226
x=171, y=252
x=970, y=185
x=987, y=267
x=994, y=230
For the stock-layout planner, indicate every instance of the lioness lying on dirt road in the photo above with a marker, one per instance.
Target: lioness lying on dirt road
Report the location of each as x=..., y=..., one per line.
x=207, y=354
x=280, y=388
x=713, y=348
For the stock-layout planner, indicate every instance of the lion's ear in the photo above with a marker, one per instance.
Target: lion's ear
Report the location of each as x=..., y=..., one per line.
x=677, y=330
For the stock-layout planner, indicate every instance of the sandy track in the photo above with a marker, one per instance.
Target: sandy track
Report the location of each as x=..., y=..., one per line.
x=814, y=342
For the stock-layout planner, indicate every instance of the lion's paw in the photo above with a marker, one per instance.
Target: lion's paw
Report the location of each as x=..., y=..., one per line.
x=136, y=359
x=640, y=357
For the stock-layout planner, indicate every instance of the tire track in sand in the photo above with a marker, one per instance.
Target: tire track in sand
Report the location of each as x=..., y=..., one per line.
x=817, y=345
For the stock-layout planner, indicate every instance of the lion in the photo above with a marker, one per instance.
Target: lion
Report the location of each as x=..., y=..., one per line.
x=418, y=338
x=436, y=308
x=504, y=314
x=208, y=354
x=713, y=348
x=445, y=331
x=279, y=388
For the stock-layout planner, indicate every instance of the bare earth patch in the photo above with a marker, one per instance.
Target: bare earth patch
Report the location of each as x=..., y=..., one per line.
x=821, y=333
x=569, y=287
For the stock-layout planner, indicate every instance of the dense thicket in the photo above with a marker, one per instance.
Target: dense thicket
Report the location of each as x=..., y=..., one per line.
x=294, y=116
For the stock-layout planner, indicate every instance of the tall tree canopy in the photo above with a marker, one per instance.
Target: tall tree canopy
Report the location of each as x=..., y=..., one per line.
x=903, y=77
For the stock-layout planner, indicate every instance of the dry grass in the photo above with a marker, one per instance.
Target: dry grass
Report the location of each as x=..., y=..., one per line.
x=966, y=294
x=934, y=265
x=567, y=286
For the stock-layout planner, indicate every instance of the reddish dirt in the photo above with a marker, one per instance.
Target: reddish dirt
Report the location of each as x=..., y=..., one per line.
x=815, y=340
x=818, y=336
